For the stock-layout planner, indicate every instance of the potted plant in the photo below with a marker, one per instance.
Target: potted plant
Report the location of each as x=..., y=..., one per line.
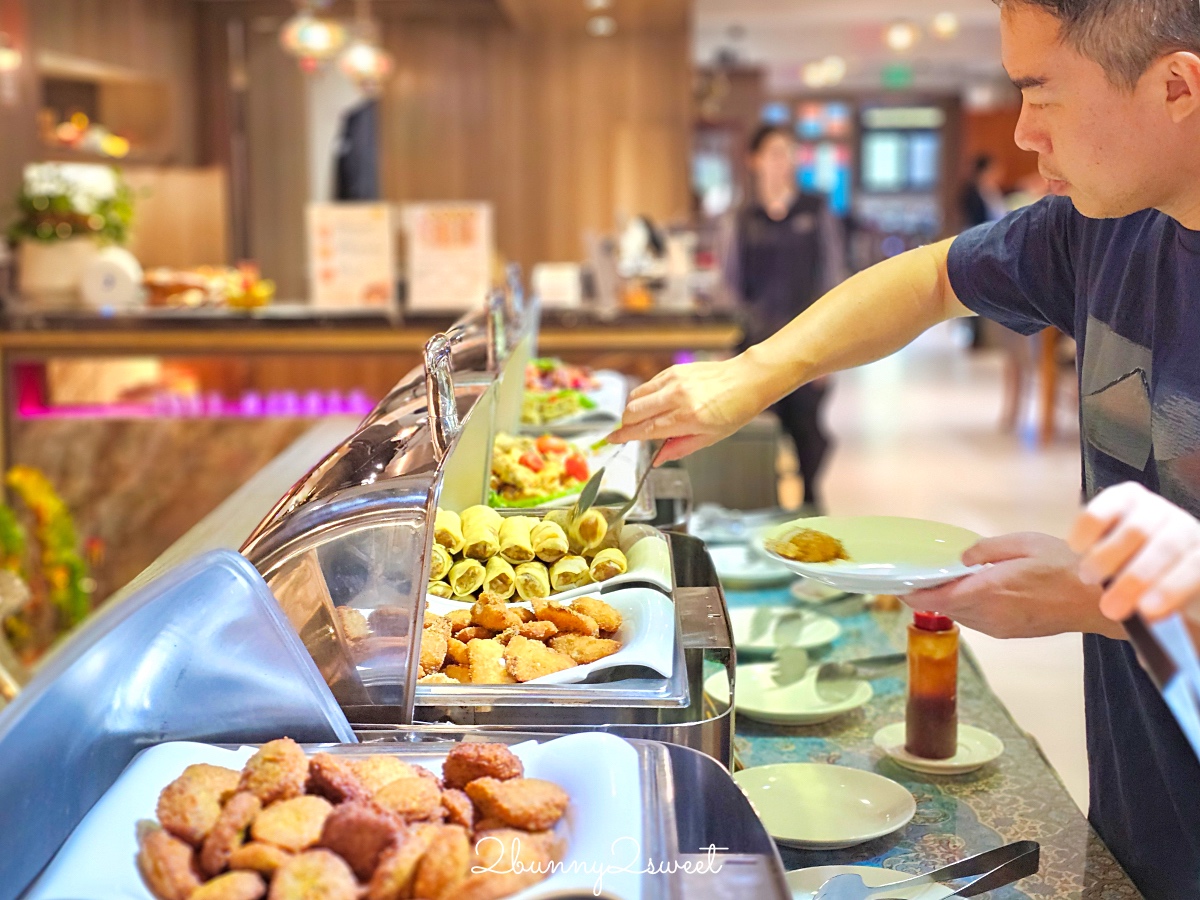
x=68, y=211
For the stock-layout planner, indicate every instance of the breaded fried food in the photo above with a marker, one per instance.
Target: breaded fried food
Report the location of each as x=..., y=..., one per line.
x=487, y=663
x=189, y=806
x=379, y=769
x=436, y=678
x=567, y=620
x=475, y=633
x=525, y=615
x=315, y=875
x=233, y=886
x=584, y=649
x=335, y=779
x=412, y=799
x=458, y=619
x=607, y=618
x=434, y=643
x=438, y=623
x=445, y=864
x=538, y=631
x=459, y=808
x=228, y=832
x=470, y=760
x=167, y=866
x=526, y=803
x=456, y=652
x=510, y=860
x=460, y=674
x=277, y=771
x=394, y=875
x=493, y=614
x=294, y=824
x=255, y=856
x=359, y=831
x=526, y=660
x=354, y=623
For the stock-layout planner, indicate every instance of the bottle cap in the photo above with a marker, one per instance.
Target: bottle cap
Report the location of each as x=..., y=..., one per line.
x=931, y=621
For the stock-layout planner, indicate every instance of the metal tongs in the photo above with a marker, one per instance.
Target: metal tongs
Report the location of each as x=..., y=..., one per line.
x=1169, y=657
x=982, y=873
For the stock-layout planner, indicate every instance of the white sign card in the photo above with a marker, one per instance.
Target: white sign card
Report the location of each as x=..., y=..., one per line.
x=352, y=255
x=450, y=250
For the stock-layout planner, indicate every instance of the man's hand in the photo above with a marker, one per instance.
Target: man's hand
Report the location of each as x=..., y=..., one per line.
x=1144, y=548
x=693, y=406
x=1031, y=588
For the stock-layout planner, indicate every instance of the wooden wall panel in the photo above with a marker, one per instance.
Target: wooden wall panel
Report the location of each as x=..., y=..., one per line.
x=992, y=132
x=18, y=139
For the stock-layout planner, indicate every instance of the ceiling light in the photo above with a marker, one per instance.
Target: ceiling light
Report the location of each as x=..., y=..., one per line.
x=311, y=38
x=10, y=56
x=902, y=36
x=364, y=61
x=945, y=25
x=825, y=73
x=597, y=5
x=601, y=26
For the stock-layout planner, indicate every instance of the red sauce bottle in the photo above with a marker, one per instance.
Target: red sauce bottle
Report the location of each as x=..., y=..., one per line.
x=931, y=723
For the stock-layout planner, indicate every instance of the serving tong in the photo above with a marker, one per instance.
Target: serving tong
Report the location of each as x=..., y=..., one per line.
x=591, y=490
x=982, y=873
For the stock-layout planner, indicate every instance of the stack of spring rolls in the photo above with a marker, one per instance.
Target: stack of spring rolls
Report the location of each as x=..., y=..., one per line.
x=481, y=551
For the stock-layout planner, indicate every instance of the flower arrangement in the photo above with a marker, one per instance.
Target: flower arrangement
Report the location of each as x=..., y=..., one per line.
x=64, y=200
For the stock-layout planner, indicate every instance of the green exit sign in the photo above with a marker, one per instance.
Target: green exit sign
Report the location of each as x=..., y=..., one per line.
x=897, y=76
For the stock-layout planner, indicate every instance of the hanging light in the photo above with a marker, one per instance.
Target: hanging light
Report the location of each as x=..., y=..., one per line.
x=364, y=62
x=10, y=56
x=311, y=38
x=902, y=36
x=945, y=25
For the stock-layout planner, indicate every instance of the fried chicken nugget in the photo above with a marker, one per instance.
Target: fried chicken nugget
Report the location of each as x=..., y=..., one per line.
x=607, y=618
x=412, y=799
x=487, y=663
x=277, y=771
x=567, y=620
x=359, y=831
x=393, y=877
x=510, y=861
x=434, y=643
x=525, y=615
x=456, y=651
x=584, y=649
x=526, y=660
x=475, y=633
x=460, y=674
x=228, y=832
x=335, y=779
x=167, y=866
x=232, y=886
x=189, y=806
x=439, y=623
x=255, y=856
x=529, y=804
x=538, y=631
x=380, y=770
x=294, y=824
x=459, y=808
x=458, y=619
x=445, y=864
x=469, y=760
x=437, y=678
x=493, y=614
x=315, y=875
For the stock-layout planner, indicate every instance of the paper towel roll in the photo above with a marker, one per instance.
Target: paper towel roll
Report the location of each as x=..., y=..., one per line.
x=112, y=279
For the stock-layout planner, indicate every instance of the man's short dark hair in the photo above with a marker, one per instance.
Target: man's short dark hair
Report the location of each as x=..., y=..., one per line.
x=764, y=132
x=1125, y=36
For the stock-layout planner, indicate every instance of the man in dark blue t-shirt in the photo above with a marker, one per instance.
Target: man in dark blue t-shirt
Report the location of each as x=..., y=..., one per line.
x=1111, y=94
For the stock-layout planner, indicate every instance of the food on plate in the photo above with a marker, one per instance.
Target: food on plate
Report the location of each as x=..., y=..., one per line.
x=528, y=470
x=807, y=545
x=537, y=631
x=584, y=649
x=568, y=573
x=459, y=673
x=608, y=564
x=548, y=374
x=335, y=779
x=191, y=804
x=475, y=633
x=448, y=530
x=526, y=659
x=458, y=619
x=493, y=614
x=549, y=541
x=467, y=576
x=441, y=589
x=533, y=581
x=607, y=618
x=481, y=532
x=278, y=771
x=568, y=619
x=487, y=662
x=499, y=579
x=434, y=646
x=516, y=541
x=440, y=561
x=413, y=839
x=588, y=530
x=546, y=407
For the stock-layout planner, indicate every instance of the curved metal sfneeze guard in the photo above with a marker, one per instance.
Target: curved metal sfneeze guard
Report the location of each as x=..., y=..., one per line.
x=439, y=394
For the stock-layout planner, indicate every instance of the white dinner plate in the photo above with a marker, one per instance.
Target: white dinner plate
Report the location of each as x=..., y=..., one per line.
x=746, y=567
x=806, y=882
x=765, y=629
x=976, y=748
x=805, y=590
x=888, y=555
x=759, y=697
x=814, y=806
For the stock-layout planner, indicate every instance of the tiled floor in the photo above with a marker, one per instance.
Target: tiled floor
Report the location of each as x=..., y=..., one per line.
x=918, y=435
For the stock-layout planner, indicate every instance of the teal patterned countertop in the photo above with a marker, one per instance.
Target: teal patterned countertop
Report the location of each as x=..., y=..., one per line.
x=1018, y=797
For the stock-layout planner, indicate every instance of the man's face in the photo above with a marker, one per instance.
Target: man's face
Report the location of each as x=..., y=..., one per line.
x=775, y=162
x=1106, y=148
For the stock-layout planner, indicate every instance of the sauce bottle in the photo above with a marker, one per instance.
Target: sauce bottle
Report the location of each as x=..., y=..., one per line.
x=931, y=723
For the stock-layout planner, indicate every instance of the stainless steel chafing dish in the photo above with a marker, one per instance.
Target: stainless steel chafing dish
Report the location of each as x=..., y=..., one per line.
x=355, y=533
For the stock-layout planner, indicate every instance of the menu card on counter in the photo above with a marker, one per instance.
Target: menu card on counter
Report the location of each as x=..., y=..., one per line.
x=352, y=255
x=450, y=251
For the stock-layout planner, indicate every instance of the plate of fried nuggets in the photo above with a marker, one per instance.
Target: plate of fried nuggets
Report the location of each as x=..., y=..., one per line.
x=546, y=642
x=365, y=825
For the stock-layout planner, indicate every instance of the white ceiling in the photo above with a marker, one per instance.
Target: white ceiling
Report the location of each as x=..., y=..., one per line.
x=783, y=35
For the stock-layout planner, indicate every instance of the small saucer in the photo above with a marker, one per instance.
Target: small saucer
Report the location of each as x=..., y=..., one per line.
x=976, y=748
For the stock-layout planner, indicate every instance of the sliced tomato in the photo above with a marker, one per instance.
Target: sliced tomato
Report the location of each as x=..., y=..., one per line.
x=532, y=460
x=576, y=467
x=549, y=445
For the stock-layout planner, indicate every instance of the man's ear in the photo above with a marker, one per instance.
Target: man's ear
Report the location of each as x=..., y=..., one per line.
x=1180, y=73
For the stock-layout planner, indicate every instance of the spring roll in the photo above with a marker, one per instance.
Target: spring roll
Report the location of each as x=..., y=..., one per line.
x=447, y=530
x=608, y=564
x=499, y=578
x=549, y=541
x=516, y=544
x=569, y=572
x=481, y=532
x=588, y=530
x=466, y=577
x=533, y=581
x=440, y=589
x=440, y=562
